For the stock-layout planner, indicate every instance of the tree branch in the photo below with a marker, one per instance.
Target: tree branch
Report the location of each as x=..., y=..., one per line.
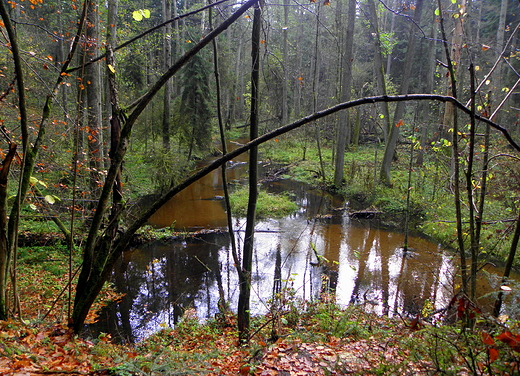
x=125, y=239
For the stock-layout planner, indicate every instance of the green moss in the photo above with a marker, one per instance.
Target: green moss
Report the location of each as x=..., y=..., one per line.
x=268, y=205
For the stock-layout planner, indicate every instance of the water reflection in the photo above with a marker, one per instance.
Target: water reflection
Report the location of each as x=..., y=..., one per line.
x=361, y=265
x=315, y=253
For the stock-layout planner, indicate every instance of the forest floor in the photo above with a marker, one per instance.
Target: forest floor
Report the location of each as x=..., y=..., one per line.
x=301, y=338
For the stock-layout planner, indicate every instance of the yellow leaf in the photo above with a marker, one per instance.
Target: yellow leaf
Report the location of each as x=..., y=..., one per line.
x=111, y=68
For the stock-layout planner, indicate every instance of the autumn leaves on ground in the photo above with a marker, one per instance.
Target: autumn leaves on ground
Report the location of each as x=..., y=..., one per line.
x=301, y=338
x=193, y=349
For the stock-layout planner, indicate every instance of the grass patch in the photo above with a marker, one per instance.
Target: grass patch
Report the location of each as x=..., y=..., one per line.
x=268, y=205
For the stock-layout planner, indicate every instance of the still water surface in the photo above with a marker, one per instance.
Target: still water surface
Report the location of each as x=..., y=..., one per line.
x=360, y=263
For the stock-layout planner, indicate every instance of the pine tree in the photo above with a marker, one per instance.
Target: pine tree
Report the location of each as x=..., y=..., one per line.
x=195, y=111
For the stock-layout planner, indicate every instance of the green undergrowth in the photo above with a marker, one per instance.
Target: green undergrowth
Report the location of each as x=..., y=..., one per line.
x=193, y=347
x=202, y=348
x=431, y=210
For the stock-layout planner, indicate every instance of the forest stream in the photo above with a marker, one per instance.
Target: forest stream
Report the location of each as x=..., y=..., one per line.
x=358, y=262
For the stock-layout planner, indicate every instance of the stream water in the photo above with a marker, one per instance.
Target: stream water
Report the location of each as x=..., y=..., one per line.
x=359, y=263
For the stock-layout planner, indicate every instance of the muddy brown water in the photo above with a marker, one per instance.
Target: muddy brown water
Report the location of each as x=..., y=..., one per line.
x=318, y=251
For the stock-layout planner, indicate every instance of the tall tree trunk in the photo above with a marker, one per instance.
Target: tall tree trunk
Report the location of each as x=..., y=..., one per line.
x=344, y=128
x=92, y=86
x=227, y=202
x=4, y=244
x=501, y=71
x=393, y=134
x=424, y=108
x=285, y=53
x=247, y=255
x=9, y=238
x=167, y=61
x=452, y=69
x=101, y=252
x=455, y=57
x=378, y=65
x=474, y=241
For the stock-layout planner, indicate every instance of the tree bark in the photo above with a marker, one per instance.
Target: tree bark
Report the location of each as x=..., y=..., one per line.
x=99, y=254
x=285, y=52
x=344, y=128
x=92, y=84
x=167, y=61
x=393, y=134
x=247, y=254
x=378, y=65
x=4, y=244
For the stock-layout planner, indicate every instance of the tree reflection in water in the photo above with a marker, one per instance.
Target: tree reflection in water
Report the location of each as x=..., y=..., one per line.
x=316, y=251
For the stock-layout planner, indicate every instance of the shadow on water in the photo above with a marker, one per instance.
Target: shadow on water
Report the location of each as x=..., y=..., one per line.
x=318, y=250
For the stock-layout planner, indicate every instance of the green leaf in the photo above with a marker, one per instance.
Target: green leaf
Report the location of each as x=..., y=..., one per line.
x=137, y=15
x=50, y=199
x=437, y=12
x=32, y=206
x=454, y=1
x=34, y=181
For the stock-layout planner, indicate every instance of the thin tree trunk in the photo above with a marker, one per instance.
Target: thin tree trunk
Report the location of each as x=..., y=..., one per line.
x=455, y=148
x=393, y=134
x=315, y=88
x=229, y=215
x=285, y=110
x=378, y=65
x=247, y=255
x=92, y=86
x=4, y=244
x=474, y=244
x=167, y=60
x=344, y=128
x=100, y=255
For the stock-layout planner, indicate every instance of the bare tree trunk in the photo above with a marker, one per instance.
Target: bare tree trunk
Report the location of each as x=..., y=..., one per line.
x=92, y=86
x=4, y=244
x=247, y=255
x=455, y=57
x=455, y=142
x=167, y=61
x=101, y=253
x=227, y=202
x=285, y=62
x=344, y=127
x=9, y=238
x=424, y=107
x=378, y=66
x=499, y=78
x=393, y=134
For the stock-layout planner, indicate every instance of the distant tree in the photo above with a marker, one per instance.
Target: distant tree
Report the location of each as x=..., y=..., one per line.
x=92, y=84
x=167, y=61
x=393, y=133
x=344, y=131
x=195, y=111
